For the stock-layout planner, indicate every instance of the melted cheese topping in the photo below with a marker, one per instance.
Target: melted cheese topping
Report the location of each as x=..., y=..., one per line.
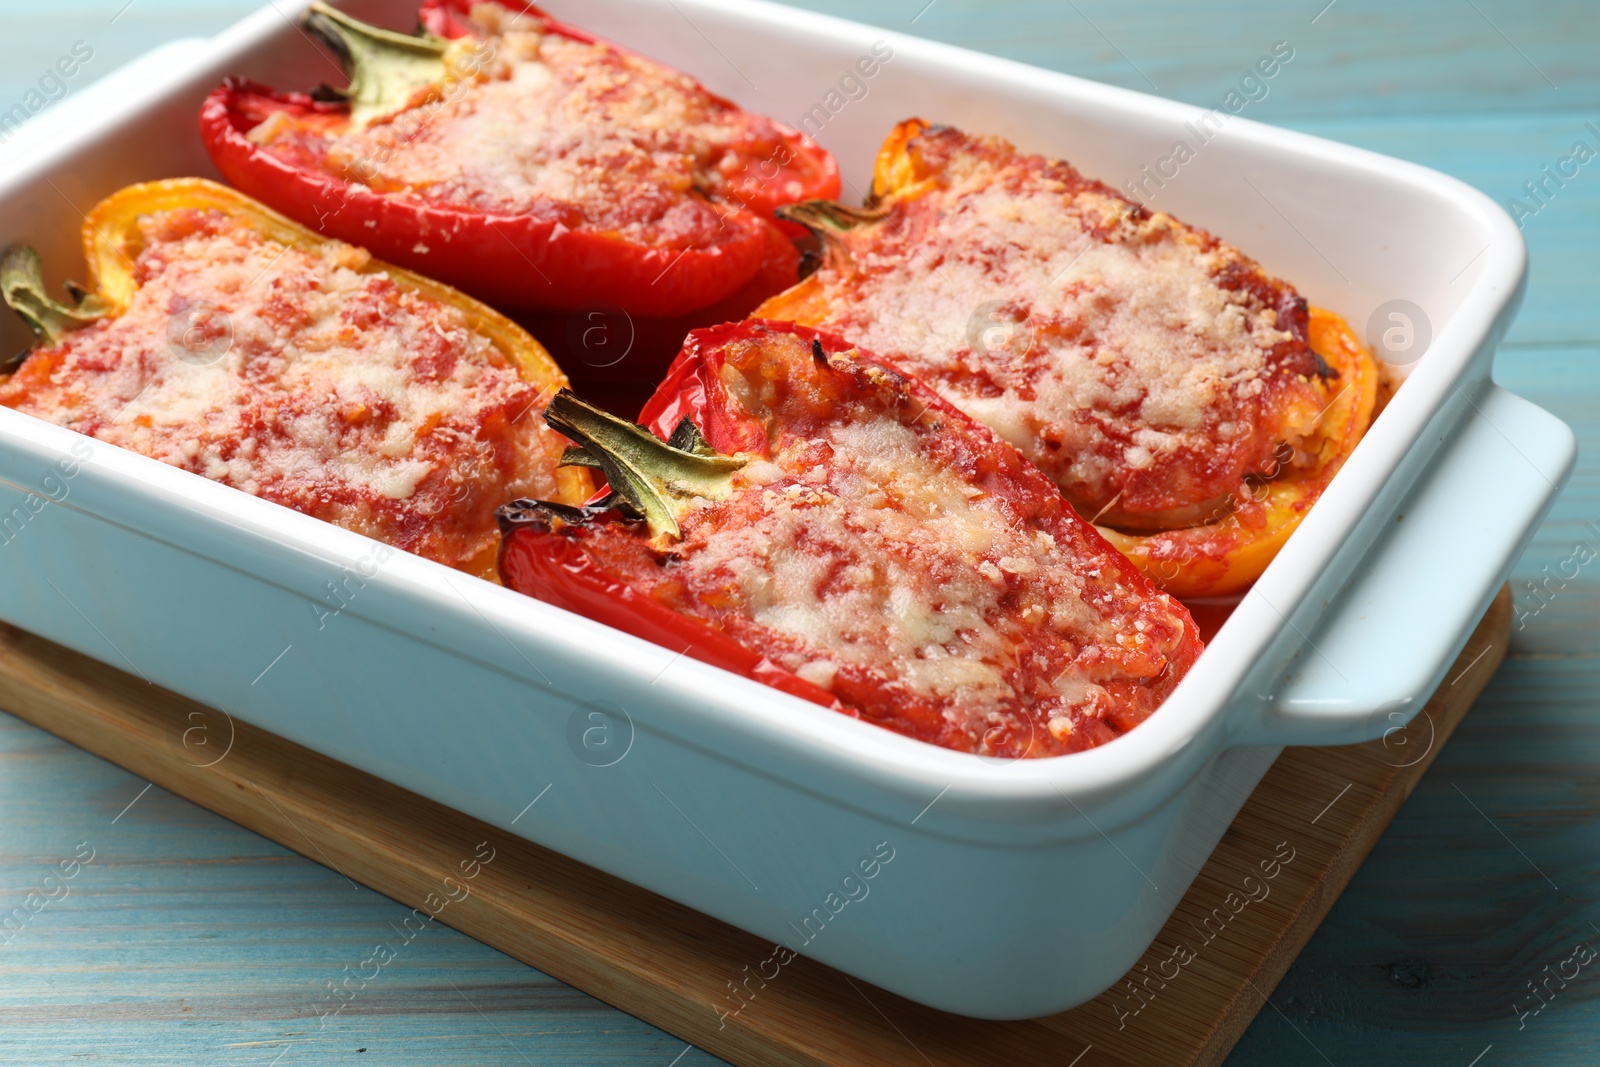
x=547, y=125
x=296, y=377
x=1144, y=365
x=872, y=553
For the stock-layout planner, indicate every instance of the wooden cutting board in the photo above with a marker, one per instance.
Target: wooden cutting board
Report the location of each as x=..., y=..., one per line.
x=1277, y=871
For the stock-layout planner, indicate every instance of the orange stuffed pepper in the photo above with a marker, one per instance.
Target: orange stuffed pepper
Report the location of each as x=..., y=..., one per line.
x=222, y=338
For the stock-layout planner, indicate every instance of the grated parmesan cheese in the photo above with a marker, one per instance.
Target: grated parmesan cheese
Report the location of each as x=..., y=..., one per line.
x=294, y=377
x=1144, y=365
x=543, y=124
x=857, y=556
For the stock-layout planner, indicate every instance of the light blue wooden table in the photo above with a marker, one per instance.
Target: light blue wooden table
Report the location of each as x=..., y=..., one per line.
x=190, y=941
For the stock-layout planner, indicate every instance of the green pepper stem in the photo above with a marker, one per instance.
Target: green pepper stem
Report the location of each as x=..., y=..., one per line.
x=828, y=222
x=826, y=218
x=22, y=286
x=386, y=68
x=658, y=479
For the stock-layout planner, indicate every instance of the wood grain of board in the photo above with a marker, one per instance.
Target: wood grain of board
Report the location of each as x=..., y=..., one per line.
x=1278, y=869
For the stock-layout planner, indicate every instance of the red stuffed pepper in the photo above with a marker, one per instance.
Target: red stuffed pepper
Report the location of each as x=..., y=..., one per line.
x=527, y=162
x=798, y=513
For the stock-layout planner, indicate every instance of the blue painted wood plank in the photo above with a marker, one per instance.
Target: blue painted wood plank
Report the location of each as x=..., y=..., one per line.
x=1556, y=583
x=1360, y=57
x=1484, y=879
x=187, y=939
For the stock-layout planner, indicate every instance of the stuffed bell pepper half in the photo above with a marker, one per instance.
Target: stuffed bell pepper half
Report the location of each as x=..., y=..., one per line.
x=797, y=512
x=224, y=339
x=528, y=163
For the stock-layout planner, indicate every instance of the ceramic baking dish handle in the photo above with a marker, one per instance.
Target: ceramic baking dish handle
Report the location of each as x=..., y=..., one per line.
x=1385, y=645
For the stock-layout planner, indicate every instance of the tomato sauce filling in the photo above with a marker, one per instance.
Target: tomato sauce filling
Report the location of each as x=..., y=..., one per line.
x=1151, y=369
x=882, y=547
x=296, y=377
x=530, y=121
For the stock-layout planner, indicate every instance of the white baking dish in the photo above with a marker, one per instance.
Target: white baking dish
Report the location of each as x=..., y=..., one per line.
x=1014, y=889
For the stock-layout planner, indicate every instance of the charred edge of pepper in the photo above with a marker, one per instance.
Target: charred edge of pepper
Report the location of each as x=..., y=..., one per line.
x=1322, y=368
x=811, y=253
x=22, y=287
x=655, y=478
x=544, y=515
x=386, y=69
